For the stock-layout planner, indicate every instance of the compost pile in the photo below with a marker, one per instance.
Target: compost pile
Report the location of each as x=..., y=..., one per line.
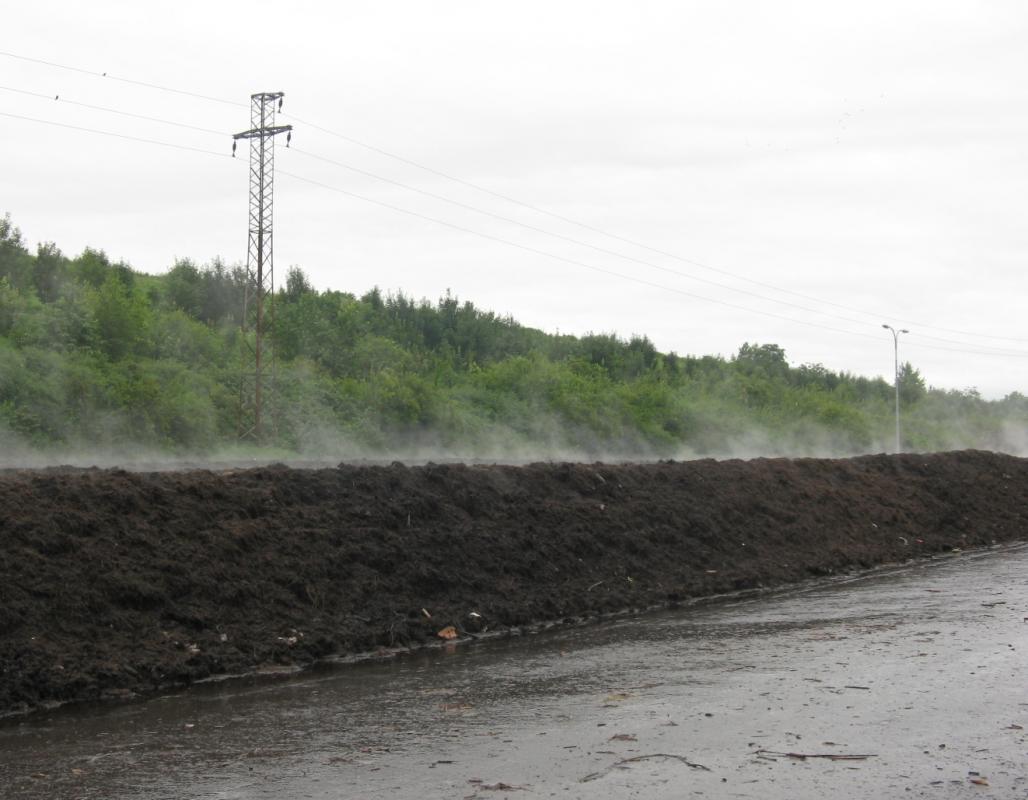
x=115, y=583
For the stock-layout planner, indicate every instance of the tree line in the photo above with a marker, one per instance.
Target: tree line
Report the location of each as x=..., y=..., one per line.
x=96, y=354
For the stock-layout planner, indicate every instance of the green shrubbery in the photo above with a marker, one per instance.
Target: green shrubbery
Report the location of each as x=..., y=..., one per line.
x=95, y=355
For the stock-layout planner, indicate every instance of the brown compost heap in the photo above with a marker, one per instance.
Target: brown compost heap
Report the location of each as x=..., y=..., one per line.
x=116, y=583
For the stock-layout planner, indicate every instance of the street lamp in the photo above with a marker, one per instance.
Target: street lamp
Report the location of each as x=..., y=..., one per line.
x=896, y=375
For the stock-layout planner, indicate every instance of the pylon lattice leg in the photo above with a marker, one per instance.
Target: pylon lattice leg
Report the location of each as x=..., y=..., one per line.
x=258, y=358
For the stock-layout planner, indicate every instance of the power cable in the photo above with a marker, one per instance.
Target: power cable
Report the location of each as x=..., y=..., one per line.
x=614, y=253
x=58, y=99
x=450, y=201
x=109, y=76
x=561, y=236
x=456, y=203
x=633, y=242
x=116, y=135
x=530, y=206
x=633, y=278
x=442, y=198
x=508, y=242
x=554, y=256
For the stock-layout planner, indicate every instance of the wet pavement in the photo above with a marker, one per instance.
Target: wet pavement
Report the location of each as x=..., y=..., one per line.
x=922, y=669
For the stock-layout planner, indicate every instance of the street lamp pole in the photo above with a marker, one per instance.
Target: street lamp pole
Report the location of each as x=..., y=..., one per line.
x=896, y=376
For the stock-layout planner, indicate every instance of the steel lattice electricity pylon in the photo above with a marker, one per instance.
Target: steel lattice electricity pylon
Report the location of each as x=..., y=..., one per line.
x=258, y=297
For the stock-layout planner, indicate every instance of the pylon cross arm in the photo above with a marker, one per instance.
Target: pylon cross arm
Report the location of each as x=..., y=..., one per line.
x=255, y=133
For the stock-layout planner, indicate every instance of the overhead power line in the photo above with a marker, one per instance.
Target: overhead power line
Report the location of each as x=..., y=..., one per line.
x=609, y=252
x=526, y=248
x=564, y=238
x=626, y=240
x=603, y=270
x=442, y=198
x=456, y=203
x=510, y=220
x=120, y=79
x=116, y=135
x=56, y=98
x=554, y=256
x=510, y=199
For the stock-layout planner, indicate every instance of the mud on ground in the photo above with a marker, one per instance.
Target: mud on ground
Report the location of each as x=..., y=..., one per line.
x=114, y=583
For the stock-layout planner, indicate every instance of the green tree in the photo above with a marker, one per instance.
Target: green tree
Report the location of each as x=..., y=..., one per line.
x=183, y=287
x=92, y=267
x=15, y=261
x=48, y=272
x=122, y=318
x=766, y=358
x=297, y=284
x=911, y=384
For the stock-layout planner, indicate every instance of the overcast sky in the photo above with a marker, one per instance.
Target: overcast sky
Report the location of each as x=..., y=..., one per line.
x=829, y=166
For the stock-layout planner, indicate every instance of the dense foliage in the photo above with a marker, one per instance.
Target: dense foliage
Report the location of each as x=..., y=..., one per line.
x=94, y=354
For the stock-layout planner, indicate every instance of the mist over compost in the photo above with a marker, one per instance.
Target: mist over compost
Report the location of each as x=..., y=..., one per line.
x=115, y=583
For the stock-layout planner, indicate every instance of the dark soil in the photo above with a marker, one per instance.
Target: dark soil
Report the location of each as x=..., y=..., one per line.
x=114, y=583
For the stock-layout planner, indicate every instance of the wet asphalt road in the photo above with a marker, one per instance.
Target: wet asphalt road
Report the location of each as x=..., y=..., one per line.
x=923, y=669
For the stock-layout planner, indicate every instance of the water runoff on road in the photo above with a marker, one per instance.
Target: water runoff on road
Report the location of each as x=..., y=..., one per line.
x=907, y=682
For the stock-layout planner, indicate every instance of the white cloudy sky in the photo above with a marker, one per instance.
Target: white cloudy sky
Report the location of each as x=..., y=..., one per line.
x=869, y=156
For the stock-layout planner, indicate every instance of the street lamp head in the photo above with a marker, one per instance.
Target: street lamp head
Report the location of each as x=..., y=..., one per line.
x=904, y=330
x=886, y=326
